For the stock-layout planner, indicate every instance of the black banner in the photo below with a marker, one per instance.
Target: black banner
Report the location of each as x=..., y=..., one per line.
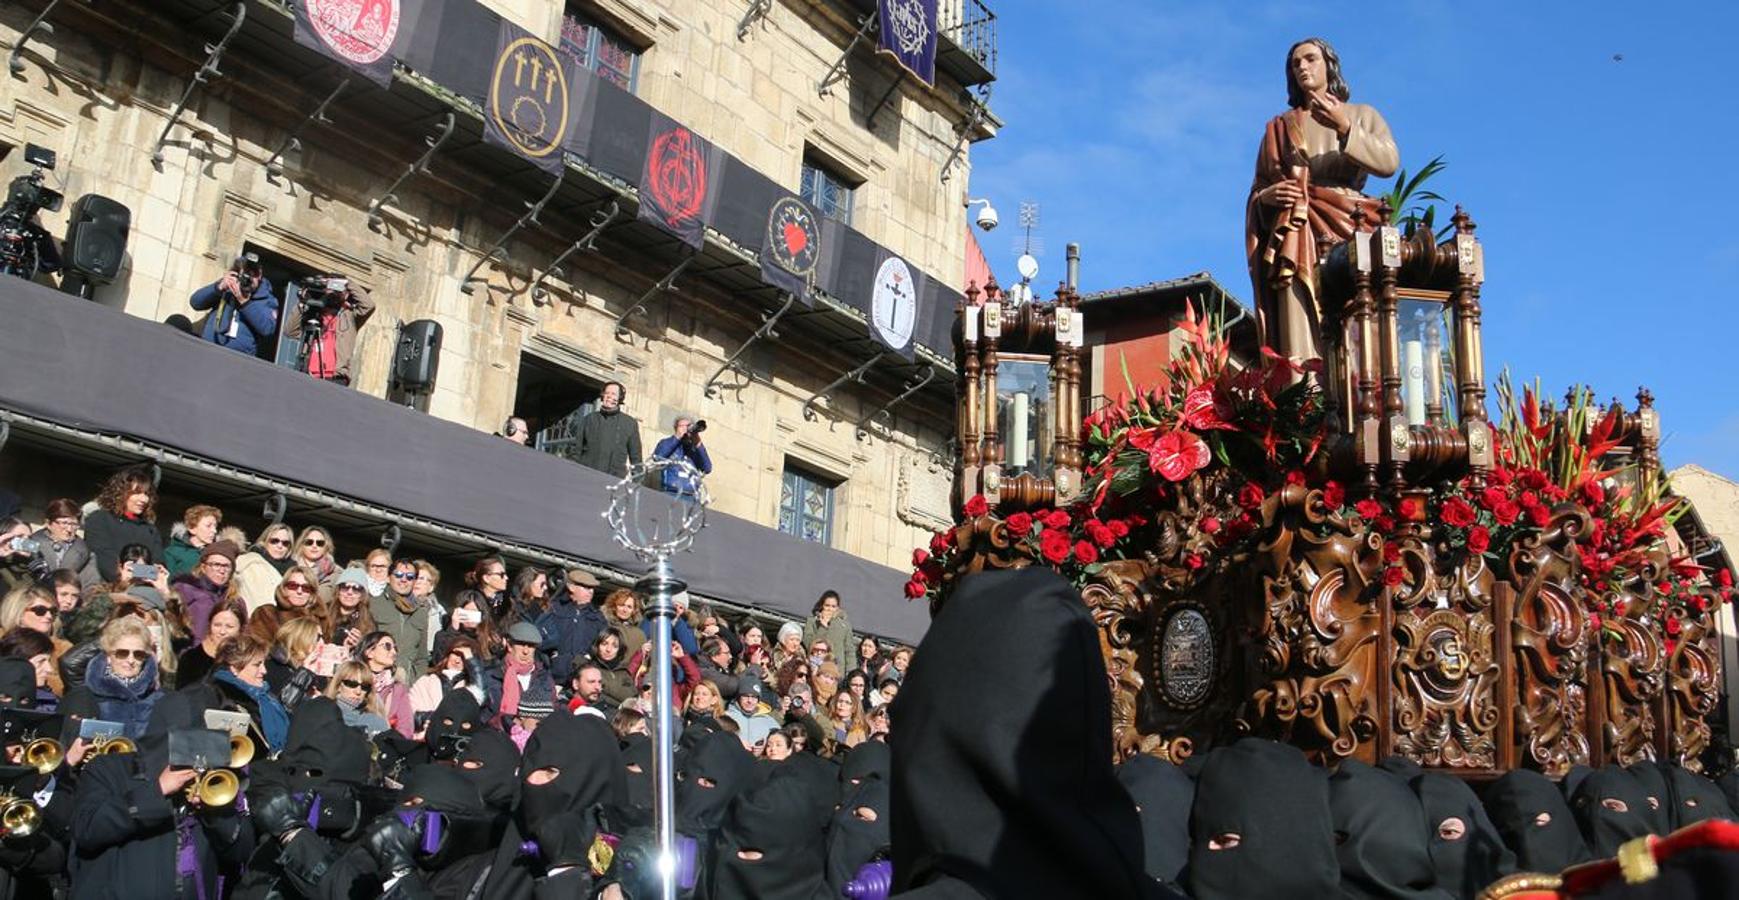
x=679, y=184
x=366, y=35
x=534, y=99
x=792, y=246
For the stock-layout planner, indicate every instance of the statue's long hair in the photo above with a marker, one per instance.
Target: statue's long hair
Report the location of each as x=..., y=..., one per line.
x=1295, y=96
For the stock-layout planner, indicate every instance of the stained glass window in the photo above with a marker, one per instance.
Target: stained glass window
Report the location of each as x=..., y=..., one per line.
x=828, y=192
x=594, y=46
x=806, y=506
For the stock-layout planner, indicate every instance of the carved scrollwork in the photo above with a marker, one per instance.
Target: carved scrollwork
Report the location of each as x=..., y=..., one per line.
x=1693, y=681
x=1549, y=638
x=1632, y=668
x=1446, y=673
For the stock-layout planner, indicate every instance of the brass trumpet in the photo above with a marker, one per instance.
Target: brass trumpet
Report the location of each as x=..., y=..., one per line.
x=19, y=816
x=116, y=744
x=44, y=755
x=220, y=787
x=241, y=750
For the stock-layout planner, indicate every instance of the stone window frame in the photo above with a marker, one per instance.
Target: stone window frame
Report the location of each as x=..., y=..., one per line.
x=602, y=30
x=818, y=173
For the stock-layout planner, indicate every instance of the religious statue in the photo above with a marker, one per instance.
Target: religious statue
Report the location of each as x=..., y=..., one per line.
x=1307, y=196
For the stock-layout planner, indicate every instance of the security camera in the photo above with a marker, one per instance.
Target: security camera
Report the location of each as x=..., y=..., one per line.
x=986, y=215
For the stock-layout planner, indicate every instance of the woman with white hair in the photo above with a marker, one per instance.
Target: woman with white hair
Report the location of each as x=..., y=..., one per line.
x=789, y=646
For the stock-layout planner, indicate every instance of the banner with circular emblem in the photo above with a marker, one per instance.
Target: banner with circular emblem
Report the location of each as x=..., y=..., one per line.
x=792, y=246
x=535, y=95
x=906, y=30
x=361, y=34
x=894, y=305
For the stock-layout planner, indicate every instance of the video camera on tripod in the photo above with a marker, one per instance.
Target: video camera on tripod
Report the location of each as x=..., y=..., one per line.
x=318, y=293
x=21, y=238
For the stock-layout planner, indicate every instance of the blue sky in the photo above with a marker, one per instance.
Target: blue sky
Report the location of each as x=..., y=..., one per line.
x=1605, y=190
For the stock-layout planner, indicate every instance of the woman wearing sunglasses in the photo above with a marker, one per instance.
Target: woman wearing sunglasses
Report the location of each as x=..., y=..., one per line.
x=353, y=689
x=380, y=654
x=295, y=597
x=258, y=571
x=120, y=683
x=314, y=549
x=35, y=608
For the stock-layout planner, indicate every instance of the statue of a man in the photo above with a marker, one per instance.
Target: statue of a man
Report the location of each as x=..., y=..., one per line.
x=1310, y=174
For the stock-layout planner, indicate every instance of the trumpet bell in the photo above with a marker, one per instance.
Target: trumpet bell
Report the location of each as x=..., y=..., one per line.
x=44, y=755
x=241, y=751
x=20, y=818
x=216, y=788
x=116, y=745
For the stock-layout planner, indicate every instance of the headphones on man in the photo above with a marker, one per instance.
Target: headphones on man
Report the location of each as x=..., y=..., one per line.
x=510, y=428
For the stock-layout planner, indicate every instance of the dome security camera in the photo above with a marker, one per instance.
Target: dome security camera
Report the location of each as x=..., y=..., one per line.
x=987, y=217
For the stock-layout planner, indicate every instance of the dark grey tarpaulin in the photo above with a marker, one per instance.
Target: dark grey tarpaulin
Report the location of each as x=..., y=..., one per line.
x=87, y=367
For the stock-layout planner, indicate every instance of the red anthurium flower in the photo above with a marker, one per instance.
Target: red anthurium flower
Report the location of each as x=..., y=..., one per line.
x=1202, y=410
x=1020, y=524
x=1458, y=513
x=977, y=506
x=1177, y=454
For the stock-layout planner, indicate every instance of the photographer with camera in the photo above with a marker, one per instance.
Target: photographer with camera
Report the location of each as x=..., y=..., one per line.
x=243, y=311
x=684, y=442
x=330, y=312
x=26, y=248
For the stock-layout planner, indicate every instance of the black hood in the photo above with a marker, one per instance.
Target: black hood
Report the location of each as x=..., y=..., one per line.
x=1010, y=790
x=491, y=763
x=709, y=777
x=1694, y=798
x=637, y=763
x=870, y=759
x=1611, y=807
x=1276, y=802
x=1478, y=857
x=1380, y=837
x=17, y=682
x=584, y=749
x=1652, y=778
x=444, y=789
x=451, y=725
x=774, y=823
x=859, y=833
x=1163, y=794
x=1535, y=821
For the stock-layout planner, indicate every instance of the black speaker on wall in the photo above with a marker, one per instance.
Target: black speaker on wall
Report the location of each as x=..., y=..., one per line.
x=96, y=239
x=418, y=357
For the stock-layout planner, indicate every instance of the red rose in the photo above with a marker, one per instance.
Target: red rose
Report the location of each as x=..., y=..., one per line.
x=1412, y=508
x=1178, y=454
x=1478, y=539
x=1057, y=518
x=1499, y=475
x=1210, y=525
x=1119, y=528
x=1458, y=513
x=1100, y=533
x=1673, y=625
x=1250, y=496
x=1724, y=578
x=1529, y=499
x=1384, y=524
x=941, y=541
x=1054, y=546
x=1368, y=509
x=1394, y=576
x=1086, y=552
x=915, y=589
x=1539, y=515
x=1020, y=524
x=1492, y=496
x=932, y=572
x=1506, y=512
x=1194, y=561
x=1391, y=553
x=977, y=506
x=1333, y=495
x=1534, y=479
x=919, y=557
x=1593, y=494
x=1594, y=621
x=1295, y=477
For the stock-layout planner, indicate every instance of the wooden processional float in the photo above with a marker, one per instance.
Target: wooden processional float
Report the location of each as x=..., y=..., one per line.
x=1350, y=558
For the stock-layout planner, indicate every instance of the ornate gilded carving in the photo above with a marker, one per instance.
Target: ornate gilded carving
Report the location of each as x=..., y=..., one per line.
x=1549, y=636
x=1693, y=679
x=1446, y=673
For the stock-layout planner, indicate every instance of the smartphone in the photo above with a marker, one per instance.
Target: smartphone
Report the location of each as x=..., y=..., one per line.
x=142, y=572
x=330, y=658
x=93, y=730
x=228, y=721
x=468, y=616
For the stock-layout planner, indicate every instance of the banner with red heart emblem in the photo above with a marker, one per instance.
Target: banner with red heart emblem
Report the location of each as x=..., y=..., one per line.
x=792, y=246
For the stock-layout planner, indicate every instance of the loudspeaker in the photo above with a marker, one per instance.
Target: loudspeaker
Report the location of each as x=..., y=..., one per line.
x=96, y=238
x=418, y=356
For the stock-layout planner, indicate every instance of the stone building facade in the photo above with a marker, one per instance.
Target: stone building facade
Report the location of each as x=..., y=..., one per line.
x=101, y=89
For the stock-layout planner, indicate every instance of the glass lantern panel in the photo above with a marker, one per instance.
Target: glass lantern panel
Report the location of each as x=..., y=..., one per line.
x=1427, y=360
x=1024, y=416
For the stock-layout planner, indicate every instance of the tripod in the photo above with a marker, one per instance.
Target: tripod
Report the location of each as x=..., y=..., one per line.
x=313, y=335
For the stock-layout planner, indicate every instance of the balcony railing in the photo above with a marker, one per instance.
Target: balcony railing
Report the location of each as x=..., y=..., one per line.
x=971, y=26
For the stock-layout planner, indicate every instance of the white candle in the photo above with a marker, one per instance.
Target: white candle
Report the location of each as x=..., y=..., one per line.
x=1413, y=358
x=1019, y=431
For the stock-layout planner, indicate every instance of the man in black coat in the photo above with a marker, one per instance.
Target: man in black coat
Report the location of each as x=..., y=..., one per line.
x=609, y=437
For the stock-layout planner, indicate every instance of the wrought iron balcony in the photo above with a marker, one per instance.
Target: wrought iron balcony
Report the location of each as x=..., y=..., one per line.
x=970, y=27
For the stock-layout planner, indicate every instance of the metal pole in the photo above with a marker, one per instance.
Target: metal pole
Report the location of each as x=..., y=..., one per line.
x=662, y=585
x=1074, y=267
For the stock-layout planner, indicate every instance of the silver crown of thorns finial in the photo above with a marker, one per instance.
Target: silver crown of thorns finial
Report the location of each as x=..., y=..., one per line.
x=653, y=524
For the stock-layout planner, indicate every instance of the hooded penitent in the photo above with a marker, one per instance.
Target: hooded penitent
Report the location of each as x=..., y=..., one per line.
x=1466, y=850
x=570, y=768
x=1380, y=836
x=1163, y=793
x=1652, y=778
x=770, y=847
x=708, y=779
x=456, y=718
x=1611, y=807
x=1535, y=821
x=1009, y=792
x=637, y=763
x=491, y=762
x=1260, y=826
x=859, y=833
x=17, y=682
x=1694, y=798
x=870, y=759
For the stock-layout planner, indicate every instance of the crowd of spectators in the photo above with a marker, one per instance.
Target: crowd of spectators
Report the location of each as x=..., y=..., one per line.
x=112, y=619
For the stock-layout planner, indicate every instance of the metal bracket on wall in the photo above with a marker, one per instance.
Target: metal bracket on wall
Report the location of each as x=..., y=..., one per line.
x=213, y=56
x=600, y=220
x=913, y=385
x=667, y=283
x=836, y=72
x=421, y=165
x=277, y=506
x=711, y=389
x=758, y=9
x=975, y=118
x=390, y=538
x=856, y=375
x=500, y=246
x=38, y=25
x=274, y=168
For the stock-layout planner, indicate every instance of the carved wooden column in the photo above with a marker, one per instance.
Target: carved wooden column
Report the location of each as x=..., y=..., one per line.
x=991, y=456
x=1469, y=349
x=967, y=415
x=1397, y=441
x=1693, y=679
x=1363, y=337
